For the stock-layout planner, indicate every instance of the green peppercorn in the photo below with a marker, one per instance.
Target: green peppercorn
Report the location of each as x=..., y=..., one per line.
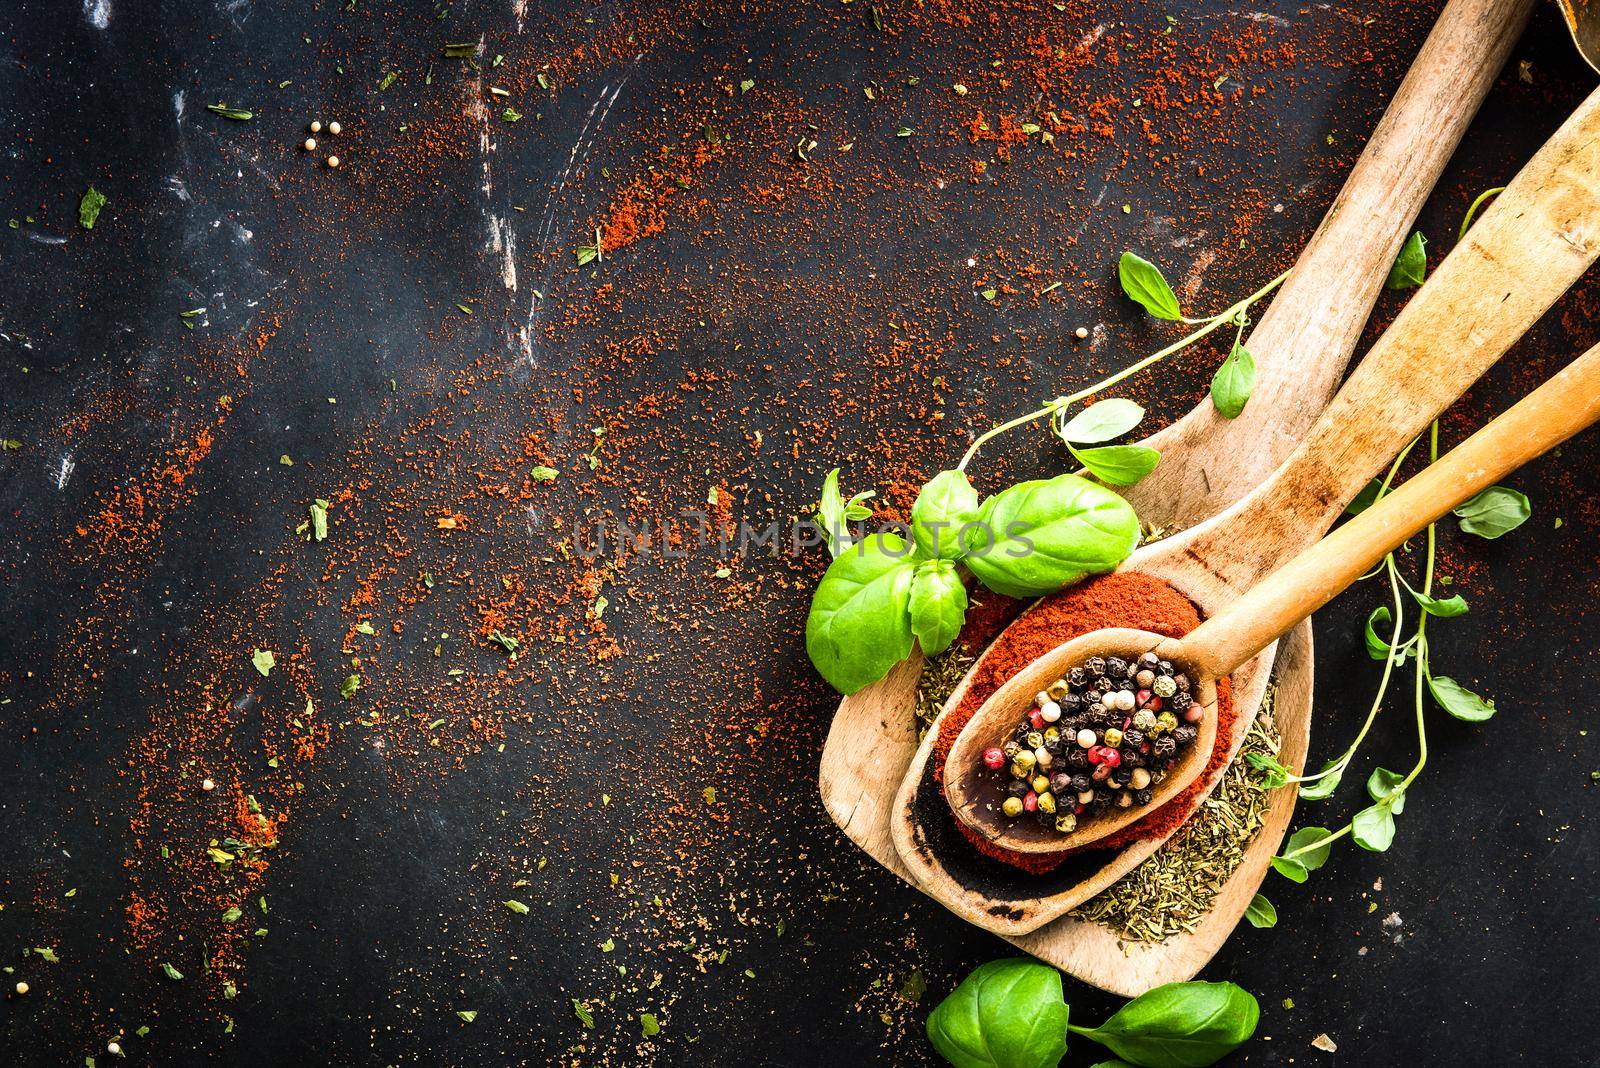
x=1066, y=823
x=1047, y=802
x=1012, y=806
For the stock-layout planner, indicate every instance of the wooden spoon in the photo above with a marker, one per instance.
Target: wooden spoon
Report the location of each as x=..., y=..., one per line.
x=1232, y=637
x=1302, y=345
x=1526, y=250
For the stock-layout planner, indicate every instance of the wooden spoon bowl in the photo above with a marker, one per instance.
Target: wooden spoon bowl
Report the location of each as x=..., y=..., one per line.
x=975, y=793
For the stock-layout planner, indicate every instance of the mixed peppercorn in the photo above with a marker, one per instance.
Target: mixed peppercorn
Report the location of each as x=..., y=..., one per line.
x=1104, y=735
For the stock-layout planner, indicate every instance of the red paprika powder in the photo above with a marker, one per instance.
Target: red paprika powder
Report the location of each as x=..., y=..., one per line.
x=1123, y=599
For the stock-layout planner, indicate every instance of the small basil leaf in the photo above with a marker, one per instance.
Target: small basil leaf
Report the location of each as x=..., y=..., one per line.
x=860, y=624
x=1142, y=281
x=1180, y=1025
x=946, y=504
x=1277, y=773
x=1377, y=647
x=938, y=605
x=1320, y=789
x=1118, y=465
x=1459, y=701
x=1312, y=859
x=1039, y=536
x=834, y=513
x=1446, y=608
x=1006, y=1014
x=1497, y=510
x=1292, y=870
x=1232, y=384
x=1365, y=499
x=1101, y=422
x=1411, y=266
x=1383, y=783
x=1373, y=828
x=1261, y=912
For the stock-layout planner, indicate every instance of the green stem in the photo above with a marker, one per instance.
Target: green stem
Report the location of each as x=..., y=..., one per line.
x=1466, y=220
x=1220, y=319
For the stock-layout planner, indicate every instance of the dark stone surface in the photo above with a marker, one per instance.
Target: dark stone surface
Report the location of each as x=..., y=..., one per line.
x=1472, y=941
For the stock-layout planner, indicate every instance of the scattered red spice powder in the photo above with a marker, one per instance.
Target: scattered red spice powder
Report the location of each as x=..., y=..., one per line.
x=1123, y=599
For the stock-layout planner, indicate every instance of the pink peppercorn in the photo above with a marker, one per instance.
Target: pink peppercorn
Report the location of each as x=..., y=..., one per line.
x=1108, y=756
x=1030, y=801
x=994, y=758
x=1036, y=718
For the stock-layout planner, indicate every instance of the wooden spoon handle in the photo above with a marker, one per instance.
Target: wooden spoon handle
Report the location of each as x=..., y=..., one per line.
x=1549, y=415
x=1304, y=339
x=1538, y=238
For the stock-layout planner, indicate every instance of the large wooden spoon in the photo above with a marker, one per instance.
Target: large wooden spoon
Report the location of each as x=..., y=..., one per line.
x=1302, y=345
x=1239, y=632
x=1538, y=238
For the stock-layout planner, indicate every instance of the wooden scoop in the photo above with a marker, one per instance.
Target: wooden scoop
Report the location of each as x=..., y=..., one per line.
x=1541, y=234
x=1232, y=637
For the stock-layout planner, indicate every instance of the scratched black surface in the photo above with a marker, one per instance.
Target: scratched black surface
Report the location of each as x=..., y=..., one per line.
x=1491, y=876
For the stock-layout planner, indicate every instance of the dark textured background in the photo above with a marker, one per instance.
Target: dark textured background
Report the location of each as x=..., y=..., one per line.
x=753, y=311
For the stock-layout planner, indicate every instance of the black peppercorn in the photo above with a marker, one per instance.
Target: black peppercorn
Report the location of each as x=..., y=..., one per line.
x=1096, y=665
x=1165, y=667
x=1077, y=677
x=1142, y=797
x=1053, y=745
x=1070, y=704
x=1184, y=734
x=1164, y=747
x=1132, y=738
x=1180, y=701
x=1131, y=758
x=1080, y=783
x=1017, y=788
x=1116, y=667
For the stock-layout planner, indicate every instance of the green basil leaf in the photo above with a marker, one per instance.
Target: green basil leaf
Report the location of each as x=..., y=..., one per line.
x=938, y=605
x=1142, y=281
x=1180, y=1025
x=1365, y=499
x=1233, y=382
x=1292, y=870
x=1383, y=783
x=1101, y=422
x=1320, y=789
x=1447, y=608
x=1312, y=859
x=834, y=513
x=1497, y=510
x=1118, y=465
x=1006, y=1014
x=1377, y=647
x=1459, y=701
x=1261, y=912
x=1411, y=266
x=1373, y=828
x=1039, y=536
x=946, y=504
x=860, y=623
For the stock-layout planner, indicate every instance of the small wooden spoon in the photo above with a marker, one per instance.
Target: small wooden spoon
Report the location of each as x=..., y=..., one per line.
x=1232, y=637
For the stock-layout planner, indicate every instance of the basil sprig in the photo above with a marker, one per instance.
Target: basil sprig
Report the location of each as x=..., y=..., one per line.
x=1026, y=541
x=1011, y=1014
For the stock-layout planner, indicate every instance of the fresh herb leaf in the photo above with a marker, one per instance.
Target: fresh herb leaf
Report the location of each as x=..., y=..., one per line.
x=1497, y=510
x=1411, y=266
x=648, y=1025
x=1373, y=828
x=1142, y=280
x=1445, y=608
x=544, y=474
x=835, y=514
x=945, y=505
x=1118, y=465
x=264, y=661
x=1038, y=536
x=1101, y=422
x=1322, y=788
x=467, y=1015
x=1261, y=912
x=1366, y=498
x=170, y=972
x=1377, y=647
x=1179, y=1025
x=1384, y=785
x=581, y=1011
x=586, y=254
x=89, y=207
x=348, y=688
x=1232, y=384
x=1459, y=701
x=516, y=906
x=859, y=625
x=1006, y=1014
x=938, y=605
